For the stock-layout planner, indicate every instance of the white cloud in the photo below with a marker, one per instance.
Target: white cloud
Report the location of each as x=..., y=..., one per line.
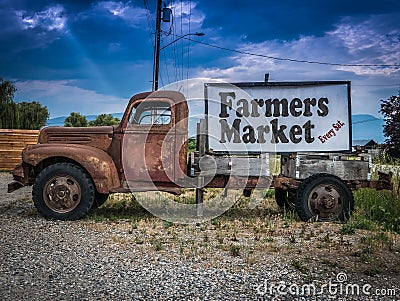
x=134, y=16
x=188, y=12
x=115, y=8
x=62, y=97
x=375, y=40
x=52, y=18
x=371, y=41
x=369, y=34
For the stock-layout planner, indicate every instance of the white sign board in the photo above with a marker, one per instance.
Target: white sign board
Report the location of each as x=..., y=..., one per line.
x=278, y=117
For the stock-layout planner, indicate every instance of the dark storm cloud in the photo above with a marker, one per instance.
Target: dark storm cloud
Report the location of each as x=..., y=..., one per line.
x=41, y=39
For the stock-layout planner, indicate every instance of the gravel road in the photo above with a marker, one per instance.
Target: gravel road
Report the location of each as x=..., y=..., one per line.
x=105, y=260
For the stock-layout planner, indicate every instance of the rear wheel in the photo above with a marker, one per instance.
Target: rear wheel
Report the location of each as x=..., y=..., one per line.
x=63, y=191
x=324, y=197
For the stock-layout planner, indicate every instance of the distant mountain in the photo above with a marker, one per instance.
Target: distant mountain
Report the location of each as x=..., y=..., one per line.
x=365, y=127
x=368, y=127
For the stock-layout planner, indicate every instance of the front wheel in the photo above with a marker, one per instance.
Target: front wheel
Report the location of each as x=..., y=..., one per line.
x=63, y=191
x=324, y=197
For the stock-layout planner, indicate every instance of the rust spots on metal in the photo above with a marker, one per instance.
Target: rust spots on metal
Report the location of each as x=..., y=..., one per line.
x=99, y=137
x=246, y=183
x=285, y=183
x=96, y=162
x=152, y=152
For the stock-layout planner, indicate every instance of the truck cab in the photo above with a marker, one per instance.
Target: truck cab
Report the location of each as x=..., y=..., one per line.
x=74, y=169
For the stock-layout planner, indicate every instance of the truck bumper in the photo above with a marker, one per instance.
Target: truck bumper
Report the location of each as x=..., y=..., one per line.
x=20, y=178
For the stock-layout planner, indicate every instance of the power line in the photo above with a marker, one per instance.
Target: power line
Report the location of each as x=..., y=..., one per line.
x=175, y=48
x=292, y=60
x=188, y=46
x=148, y=18
x=182, y=45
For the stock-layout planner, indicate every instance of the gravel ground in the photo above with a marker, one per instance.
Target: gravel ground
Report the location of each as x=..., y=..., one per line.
x=112, y=260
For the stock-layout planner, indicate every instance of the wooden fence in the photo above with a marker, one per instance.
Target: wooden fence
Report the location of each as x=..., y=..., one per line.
x=11, y=144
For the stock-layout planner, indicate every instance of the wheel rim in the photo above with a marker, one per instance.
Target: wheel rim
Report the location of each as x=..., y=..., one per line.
x=62, y=193
x=325, y=202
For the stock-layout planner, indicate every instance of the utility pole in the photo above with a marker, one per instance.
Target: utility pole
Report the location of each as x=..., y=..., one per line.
x=157, y=46
x=166, y=13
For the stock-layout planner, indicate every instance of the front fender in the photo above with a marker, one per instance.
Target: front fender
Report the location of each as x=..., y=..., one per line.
x=96, y=162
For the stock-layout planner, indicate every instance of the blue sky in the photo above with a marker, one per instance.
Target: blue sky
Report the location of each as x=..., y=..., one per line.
x=91, y=56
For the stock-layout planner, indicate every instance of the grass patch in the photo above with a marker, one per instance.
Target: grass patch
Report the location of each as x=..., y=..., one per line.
x=270, y=194
x=158, y=244
x=298, y=265
x=372, y=271
x=376, y=209
x=348, y=228
x=234, y=250
x=120, y=206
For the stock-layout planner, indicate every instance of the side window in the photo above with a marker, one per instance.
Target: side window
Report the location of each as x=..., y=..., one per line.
x=152, y=113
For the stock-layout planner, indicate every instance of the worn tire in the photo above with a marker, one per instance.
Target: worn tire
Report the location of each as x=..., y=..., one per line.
x=99, y=199
x=285, y=199
x=63, y=191
x=324, y=197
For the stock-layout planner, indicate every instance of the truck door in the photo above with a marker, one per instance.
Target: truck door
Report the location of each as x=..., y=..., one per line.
x=149, y=143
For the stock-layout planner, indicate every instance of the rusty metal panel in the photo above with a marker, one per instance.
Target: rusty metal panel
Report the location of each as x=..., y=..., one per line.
x=99, y=137
x=146, y=156
x=238, y=182
x=96, y=162
x=155, y=152
x=285, y=183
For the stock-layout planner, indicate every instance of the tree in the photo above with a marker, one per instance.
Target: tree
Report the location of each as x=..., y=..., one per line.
x=390, y=109
x=75, y=120
x=8, y=108
x=104, y=119
x=32, y=115
x=24, y=115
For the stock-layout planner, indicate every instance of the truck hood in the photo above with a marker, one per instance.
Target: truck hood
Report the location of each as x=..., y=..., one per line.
x=99, y=136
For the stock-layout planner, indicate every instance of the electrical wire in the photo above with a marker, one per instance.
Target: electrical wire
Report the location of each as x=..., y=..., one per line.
x=291, y=60
x=149, y=18
x=182, y=62
x=166, y=66
x=175, y=51
x=188, y=48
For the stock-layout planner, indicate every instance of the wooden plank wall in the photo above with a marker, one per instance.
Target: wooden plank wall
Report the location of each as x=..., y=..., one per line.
x=11, y=144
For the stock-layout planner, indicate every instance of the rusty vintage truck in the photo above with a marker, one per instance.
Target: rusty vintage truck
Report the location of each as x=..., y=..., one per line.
x=308, y=124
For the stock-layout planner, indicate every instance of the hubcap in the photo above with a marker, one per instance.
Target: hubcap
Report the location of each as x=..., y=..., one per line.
x=325, y=202
x=62, y=193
